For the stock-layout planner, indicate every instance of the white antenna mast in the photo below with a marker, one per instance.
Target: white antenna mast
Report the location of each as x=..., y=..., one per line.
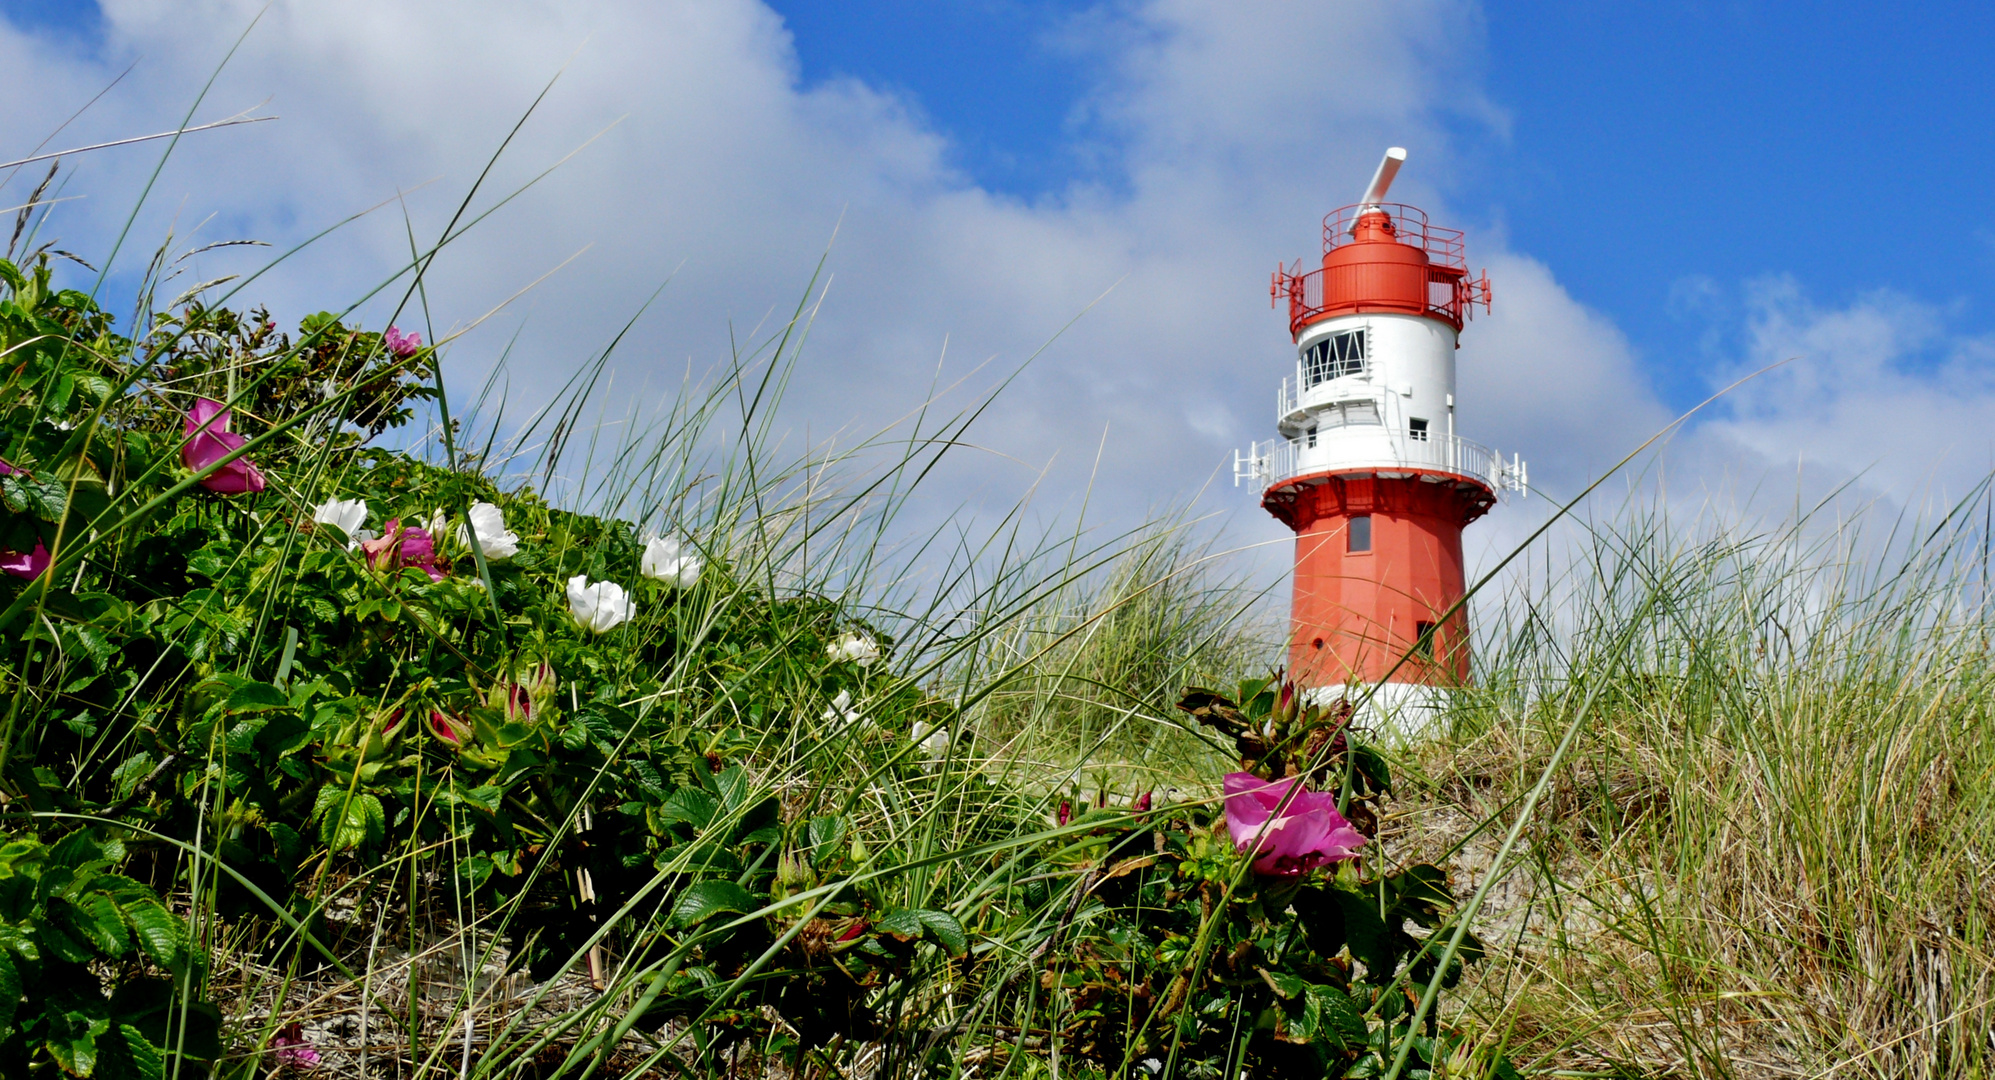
x=1388, y=167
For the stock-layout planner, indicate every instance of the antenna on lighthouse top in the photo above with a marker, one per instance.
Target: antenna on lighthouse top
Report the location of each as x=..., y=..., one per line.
x=1388, y=167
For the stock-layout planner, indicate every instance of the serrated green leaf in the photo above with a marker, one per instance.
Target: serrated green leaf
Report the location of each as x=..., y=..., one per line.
x=72, y=1041
x=112, y=937
x=63, y=934
x=694, y=806
x=129, y=772
x=10, y=991
x=349, y=821
x=86, y=846
x=909, y=924
x=20, y=943
x=1339, y=1024
x=161, y=936
x=256, y=697
x=142, y=1058
x=705, y=899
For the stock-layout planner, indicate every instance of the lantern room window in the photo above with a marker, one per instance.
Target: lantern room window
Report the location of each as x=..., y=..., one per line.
x=1416, y=429
x=1334, y=357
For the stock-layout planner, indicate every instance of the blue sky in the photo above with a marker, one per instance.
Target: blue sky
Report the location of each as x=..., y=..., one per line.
x=1657, y=156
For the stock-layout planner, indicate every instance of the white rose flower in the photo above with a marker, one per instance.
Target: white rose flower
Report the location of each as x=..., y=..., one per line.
x=934, y=741
x=598, y=607
x=489, y=522
x=667, y=559
x=857, y=648
x=843, y=715
x=346, y=515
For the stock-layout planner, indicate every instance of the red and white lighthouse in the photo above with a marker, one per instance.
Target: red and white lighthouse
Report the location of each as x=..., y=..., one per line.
x=1368, y=470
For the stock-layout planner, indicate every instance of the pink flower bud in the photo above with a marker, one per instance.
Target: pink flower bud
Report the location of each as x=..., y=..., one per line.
x=448, y=728
x=1142, y=803
x=1066, y=813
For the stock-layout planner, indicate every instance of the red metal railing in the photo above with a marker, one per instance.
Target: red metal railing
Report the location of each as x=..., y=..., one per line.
x=1409, y=226
x=1451, y=293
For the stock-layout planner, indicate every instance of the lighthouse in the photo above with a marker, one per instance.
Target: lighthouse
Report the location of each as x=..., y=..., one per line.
x=1368, y=470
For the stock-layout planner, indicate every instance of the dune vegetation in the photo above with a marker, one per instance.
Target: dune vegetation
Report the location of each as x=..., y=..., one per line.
x=352, y=730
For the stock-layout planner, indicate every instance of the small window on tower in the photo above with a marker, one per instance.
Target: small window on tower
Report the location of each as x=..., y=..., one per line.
x=1312, y=434
x=1359, y=534
x=1416, y=429
x=1423, y=640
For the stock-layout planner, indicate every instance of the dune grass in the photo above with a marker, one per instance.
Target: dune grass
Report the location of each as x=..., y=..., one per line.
x=1768, y=855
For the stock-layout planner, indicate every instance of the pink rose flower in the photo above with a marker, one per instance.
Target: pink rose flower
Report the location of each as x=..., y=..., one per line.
x=290, y=1047
x=1309, y=833
x=403, y=547
x=209, y=441
x=402, y=345
x=25, y=565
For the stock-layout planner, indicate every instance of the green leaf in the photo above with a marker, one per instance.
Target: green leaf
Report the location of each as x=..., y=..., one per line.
x=73, y=934
x=112, y=936
x=161, y=936
x=1288, y=986
x=17, y=941
x=694, y=806
x=485, y=797
x=86, y=846
x=346, y=822
x=129, y=772
x=1371, y=941
x=735, y=787
x=256, y=697
x=1339, y=1024
x=1420, y=892
x=1372, y=766
x=827, y=834
x=10, y=991
x=705, y=899
x=144, y=1059
x=72, y=1042
x=909, y=924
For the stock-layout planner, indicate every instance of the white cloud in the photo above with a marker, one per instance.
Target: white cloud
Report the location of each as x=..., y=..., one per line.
x=1226, y=131
x=1879, y=388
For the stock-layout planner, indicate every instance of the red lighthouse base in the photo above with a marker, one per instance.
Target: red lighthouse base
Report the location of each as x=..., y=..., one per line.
x=1369, y=594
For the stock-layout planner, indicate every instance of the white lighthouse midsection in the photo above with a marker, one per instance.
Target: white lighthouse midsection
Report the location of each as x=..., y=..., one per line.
x=1371, y=377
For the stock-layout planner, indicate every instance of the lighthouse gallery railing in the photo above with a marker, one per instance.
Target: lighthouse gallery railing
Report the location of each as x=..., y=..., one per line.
x=1275, y=460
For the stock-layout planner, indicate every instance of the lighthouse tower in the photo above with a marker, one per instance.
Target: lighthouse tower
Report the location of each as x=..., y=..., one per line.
x=1368, y=470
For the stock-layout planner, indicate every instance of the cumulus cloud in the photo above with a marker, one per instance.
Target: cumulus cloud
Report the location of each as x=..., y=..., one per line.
x=1879, y=389
x=1224, y=132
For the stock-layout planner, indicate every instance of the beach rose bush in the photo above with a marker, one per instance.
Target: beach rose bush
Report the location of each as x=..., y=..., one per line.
x=1274, y=921
x=307, y=611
